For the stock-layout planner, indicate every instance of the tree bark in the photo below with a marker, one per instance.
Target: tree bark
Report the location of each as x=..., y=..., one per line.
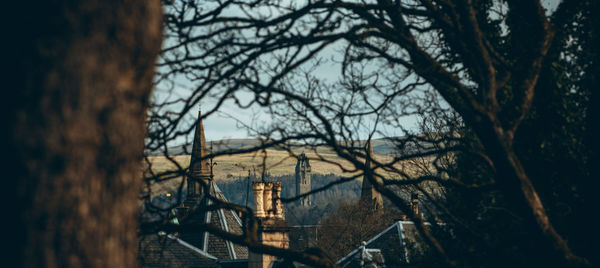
x=521, y=192
x=80, y=85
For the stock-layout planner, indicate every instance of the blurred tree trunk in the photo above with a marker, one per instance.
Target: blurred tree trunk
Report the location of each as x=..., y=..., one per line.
x=79, y=86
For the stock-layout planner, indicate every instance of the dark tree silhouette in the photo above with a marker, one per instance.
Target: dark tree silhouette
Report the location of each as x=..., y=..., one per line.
x=470, y=69
x=80, y=79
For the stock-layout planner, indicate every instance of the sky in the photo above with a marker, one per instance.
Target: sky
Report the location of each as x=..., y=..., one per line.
x=222, y=125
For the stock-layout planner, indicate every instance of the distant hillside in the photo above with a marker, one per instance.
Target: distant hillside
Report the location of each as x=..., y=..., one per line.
x=278, y=163
x=380, y=146
x=240, y=192
x=219, y=145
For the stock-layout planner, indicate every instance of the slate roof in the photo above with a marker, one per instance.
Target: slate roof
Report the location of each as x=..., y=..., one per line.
x=400, y=245
x=367, y=258
x=196, y=248
x=160, y=250
x=226, y=219
x=196, y=201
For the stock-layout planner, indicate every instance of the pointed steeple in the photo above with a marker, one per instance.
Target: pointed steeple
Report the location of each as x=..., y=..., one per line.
x=369, y=196
x=194, y=206
x=199, y=169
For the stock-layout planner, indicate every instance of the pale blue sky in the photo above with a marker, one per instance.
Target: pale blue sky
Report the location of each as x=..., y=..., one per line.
x=222, y=126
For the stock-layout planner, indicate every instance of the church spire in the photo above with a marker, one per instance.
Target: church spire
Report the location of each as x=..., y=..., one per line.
x=199, y=168
x=369, y=196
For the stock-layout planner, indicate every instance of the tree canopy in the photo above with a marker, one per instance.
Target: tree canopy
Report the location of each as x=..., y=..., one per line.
x=501, y=89
x=503, y=93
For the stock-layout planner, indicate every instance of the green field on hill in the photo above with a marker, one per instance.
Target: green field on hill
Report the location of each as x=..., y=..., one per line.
x=278, y=163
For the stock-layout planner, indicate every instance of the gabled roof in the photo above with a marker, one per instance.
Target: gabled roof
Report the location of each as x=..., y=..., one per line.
x=160, y=250
x=398, y=243
x=197, y=202
x=226, y=219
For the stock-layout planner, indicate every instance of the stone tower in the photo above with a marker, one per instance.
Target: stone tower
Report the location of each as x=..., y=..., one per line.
x=303, y=179
x=199, y=169
x=370, y=197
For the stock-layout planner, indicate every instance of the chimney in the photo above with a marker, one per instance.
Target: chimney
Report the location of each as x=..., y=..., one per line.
x=414, y=203
x=268, y=199
x=273, y=229
x=258, y=188
x=277, y=205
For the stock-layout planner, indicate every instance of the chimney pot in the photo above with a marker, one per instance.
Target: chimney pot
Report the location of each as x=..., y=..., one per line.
x=268, y=199
x=277, y=205
x=257, y=189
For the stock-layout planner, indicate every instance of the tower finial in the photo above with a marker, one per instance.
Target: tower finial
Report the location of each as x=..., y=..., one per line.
x=211, y=164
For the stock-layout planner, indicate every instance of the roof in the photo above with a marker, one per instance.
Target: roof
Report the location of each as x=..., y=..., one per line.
x=160, y=250
x=195, y=248
x=226, y=219
x=399, y=244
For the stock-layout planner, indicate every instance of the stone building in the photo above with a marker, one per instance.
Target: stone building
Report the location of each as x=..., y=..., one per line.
x=199, y=183
x=399, y=245
x=197, y=248
x=199, y=166
x=273, y=228
x=303, y=179
x=194, y=247
x=369, y=196
x=165, y=250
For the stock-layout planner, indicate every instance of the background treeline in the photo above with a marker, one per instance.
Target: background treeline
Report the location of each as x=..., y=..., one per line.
x=239, y=191
x=323, y=203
